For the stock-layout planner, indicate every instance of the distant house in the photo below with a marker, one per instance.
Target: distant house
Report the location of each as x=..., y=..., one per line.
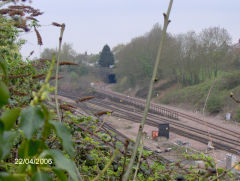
x=91, y=64
x=88, y=64
x=111, y=66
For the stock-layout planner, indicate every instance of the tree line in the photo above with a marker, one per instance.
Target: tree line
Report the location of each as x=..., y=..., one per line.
x=189, y=58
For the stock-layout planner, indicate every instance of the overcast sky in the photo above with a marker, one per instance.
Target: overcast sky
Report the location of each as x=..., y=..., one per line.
x=90, y=24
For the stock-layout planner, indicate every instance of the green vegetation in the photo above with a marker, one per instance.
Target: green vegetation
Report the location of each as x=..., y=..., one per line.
x=191, y=61
x=24, y=131
x=76, y=77
x=214, y=104
x=188, y=58
x=219, y=99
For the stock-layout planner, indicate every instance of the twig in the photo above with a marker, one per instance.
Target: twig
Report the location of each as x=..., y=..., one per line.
x=78, y=174
x=67, y=63
x=140, y=131
x=126, y=143
x=84, y=99
x=57, y=70
x=17, y=92
x=209, y=136
x=18, y=76
x=101, y=113
x=139, y=159
x=101, y=126
x=226, y=171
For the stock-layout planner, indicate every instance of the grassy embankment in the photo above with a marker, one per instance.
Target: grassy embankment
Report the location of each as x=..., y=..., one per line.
x=219, y=100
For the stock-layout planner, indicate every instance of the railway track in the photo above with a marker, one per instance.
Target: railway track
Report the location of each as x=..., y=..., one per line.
x=124, y=137
x=176, y=126
x=160, y=109
x=120, y=136
x=163, y=120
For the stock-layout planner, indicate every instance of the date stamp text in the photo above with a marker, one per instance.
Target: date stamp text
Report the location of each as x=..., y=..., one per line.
x=41, y=161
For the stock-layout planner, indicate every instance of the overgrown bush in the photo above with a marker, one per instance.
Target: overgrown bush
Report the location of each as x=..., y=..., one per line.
x=122, y=85
x=230, y=81
x=214, y=104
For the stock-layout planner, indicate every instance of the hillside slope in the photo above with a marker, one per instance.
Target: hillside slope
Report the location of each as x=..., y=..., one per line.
x=219, y=101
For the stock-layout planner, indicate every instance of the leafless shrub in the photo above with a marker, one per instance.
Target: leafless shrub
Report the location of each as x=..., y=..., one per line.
x=102, y=113
x=56, y=24
x=20, y=14
x=67, y=63
x=84, y=99
x=67, y=107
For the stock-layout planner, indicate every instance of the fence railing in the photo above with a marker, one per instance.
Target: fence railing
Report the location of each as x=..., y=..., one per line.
x=138, y=102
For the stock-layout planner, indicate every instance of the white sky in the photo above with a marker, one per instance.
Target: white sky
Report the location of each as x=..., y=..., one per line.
x=90, y=24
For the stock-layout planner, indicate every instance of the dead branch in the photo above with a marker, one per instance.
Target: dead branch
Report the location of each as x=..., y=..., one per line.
x=84, y=99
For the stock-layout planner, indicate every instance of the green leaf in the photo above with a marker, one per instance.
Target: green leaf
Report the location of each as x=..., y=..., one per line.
x=62, y=162
x=4, y=94
x=9, y=118
x=6, y=140
x=41, y=176
x=29, y=148
x=60, y=174
x=32, y=119
x=65, y=135
x=12, y=178
x=34, y=145
x=1, y=127
x=3, y=66
x=22, y=147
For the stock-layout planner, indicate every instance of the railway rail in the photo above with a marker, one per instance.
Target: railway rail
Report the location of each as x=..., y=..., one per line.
x=163, y=111
x=120, y=136
x=162, y=120
x=176, y=126
x=183, y=130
